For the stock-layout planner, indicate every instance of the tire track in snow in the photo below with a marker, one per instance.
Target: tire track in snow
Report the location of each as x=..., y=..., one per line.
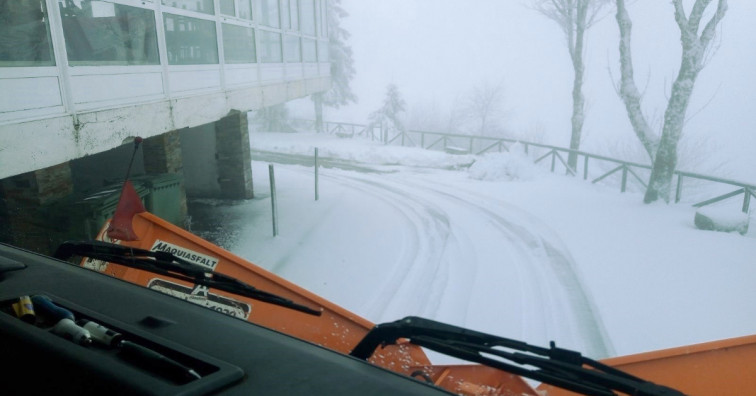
x=422, y=261
x=546, y=299
x=552, y=267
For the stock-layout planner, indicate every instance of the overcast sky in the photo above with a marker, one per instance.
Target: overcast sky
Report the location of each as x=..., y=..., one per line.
x=437, y=50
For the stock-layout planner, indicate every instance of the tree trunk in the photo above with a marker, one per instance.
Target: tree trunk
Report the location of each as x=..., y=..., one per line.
x=665, y=162
x=694, y=49
x=578, y=100
x=628, y=91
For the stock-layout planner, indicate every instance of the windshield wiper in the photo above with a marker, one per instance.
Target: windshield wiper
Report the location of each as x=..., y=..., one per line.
x=167, y=264
x=555, y=366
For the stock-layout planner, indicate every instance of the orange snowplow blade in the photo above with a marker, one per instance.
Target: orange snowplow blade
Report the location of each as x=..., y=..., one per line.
x=724, y=367
x=721, y=367
x=336, y=328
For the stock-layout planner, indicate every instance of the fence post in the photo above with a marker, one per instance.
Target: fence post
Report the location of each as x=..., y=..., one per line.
x=471, y=145
x=678, y=191
x=553, y=160
x=273, y=205
x=316, y=173
x=746, y=199
x=526, y=148
x=624, y=177
x=585, y=168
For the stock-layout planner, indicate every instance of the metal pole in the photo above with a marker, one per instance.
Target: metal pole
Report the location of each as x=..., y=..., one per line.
x=273, y=205
x=316, y=173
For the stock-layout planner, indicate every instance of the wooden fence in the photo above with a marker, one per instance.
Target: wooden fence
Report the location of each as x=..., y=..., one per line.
x=603, y=167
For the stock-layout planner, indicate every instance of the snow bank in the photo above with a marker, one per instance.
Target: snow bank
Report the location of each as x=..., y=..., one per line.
x=723, y=219
x=503, y=167
x=355, y=149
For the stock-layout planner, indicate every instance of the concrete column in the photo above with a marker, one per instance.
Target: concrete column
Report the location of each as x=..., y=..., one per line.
x=26, y=218
x=162, y=154
x=233, y=156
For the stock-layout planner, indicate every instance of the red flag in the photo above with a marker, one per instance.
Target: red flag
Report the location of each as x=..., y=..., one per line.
x=128, y=205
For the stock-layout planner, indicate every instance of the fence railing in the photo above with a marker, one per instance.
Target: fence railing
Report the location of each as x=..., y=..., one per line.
x=475, y=144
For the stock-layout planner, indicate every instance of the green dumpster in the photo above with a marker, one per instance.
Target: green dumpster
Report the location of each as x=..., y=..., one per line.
x=165, y=197
x=98, y=206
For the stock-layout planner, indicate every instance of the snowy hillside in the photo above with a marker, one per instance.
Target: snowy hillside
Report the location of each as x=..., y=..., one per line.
x=493, y=243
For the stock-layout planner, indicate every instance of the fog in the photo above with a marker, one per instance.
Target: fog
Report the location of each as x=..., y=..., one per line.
x=436, y=51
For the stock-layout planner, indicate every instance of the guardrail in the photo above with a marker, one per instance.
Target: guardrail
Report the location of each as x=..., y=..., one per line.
x=475, y=144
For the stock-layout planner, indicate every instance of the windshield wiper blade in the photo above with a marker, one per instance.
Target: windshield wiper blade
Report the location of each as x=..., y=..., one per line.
x=168, y=264
x=555, y=366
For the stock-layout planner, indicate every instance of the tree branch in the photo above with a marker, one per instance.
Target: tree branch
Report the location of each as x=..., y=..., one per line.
x=708, y=32
x=680, y=18
x=697, y=13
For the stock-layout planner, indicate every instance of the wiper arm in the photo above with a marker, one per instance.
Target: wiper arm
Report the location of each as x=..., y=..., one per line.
x=168, y=264
x=555, y=366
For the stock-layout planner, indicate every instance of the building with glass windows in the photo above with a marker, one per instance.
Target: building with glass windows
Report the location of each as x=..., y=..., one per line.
x=80, y=77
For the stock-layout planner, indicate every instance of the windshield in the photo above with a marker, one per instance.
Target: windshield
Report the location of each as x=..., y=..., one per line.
x=577, y=172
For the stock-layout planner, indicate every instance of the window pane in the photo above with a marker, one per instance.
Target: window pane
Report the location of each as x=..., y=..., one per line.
x=308, y=16
x=190, y=41
x=238, y=44
x=205, y=6
x=293, y=53
x=324, y=19
x=309, y=50
x=268, y=12
x=227, y=7
x=294, y=5
x=285, y=15
x=24, y=34
x=245, y=9
x=270, y=47
x=323, y=54
x=105, y=33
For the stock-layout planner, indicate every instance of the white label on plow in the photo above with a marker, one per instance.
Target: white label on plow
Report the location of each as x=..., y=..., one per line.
x=184, y=253
x=200, y=296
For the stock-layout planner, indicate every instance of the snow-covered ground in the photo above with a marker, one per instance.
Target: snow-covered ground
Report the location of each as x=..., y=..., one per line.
x=493, y=243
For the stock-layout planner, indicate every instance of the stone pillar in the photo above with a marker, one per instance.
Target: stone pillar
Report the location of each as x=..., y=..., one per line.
x=162, y=154
x=26, y=219
x=233, y=156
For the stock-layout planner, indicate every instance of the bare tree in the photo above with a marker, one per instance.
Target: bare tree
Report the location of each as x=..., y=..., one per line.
x=273, y=118
x=574, y=17
x=663, y=149
x=484, y=107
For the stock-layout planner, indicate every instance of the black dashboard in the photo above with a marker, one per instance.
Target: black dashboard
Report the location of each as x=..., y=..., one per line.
x=167, y=346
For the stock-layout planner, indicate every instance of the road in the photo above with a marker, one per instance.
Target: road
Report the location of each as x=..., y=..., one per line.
x=404, y=241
